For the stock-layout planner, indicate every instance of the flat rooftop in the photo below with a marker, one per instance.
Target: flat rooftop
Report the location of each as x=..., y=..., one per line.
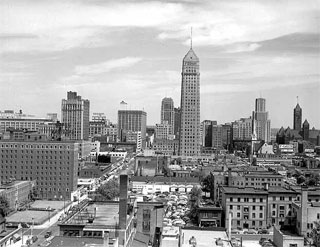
x=104, y=214
x=204, y=238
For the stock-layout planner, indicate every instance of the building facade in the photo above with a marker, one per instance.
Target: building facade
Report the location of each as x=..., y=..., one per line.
x=177, y=122
x=167, y=113
x=242, y=129
x=53, y=165
x=262, y=123
x=75, y=116
x=132, y=120
x=190, y=106
x=297, y=118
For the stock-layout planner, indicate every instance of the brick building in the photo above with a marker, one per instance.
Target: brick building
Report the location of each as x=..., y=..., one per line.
x=54, y=165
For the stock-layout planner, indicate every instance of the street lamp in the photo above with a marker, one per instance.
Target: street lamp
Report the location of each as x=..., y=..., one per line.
x=49, y=209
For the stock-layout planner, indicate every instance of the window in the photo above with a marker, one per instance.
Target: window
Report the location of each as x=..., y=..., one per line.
x=260, y=215
x=261, y=199
x=238, y=215
x=281, y=198
x=231, y=207
x=253, y=207
x=146, y=226
x=231, y=199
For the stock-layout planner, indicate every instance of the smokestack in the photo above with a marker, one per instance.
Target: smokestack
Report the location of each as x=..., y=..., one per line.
x=123, y=207
x=304, y=205
x=229, y=226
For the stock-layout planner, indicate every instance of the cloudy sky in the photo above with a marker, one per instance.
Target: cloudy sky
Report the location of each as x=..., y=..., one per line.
x=109, y=51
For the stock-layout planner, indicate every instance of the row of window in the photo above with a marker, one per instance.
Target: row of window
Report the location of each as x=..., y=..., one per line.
x=34, y=146
x=246, y=209
x=246, y=199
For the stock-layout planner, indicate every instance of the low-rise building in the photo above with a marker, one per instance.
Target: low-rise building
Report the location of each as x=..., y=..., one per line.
x=286, y=239
x=209, y=216
x=151, y=185
x=111, y=222
x=17, y=192
x=149, y=219
x=247, y=207
x=305, y=213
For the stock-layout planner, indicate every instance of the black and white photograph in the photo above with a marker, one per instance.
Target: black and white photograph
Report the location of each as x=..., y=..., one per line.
x=160, y=123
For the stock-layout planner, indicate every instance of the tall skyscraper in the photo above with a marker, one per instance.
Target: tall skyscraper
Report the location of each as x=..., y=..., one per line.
x=75, y=116
x=167, y=113
x=189, y=144
x=132, y=120
x=261, y=121
x=297, y=117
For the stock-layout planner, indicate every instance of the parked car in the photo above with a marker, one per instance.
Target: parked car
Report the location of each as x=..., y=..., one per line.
x=34, y=239
x=263, y=231
x=48, y=234
x=250, y=231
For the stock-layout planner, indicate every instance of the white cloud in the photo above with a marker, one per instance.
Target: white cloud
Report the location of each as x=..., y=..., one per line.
x=59, y=25
x=107, y=66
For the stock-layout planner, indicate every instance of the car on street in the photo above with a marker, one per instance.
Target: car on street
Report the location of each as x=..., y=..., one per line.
x=48, y=234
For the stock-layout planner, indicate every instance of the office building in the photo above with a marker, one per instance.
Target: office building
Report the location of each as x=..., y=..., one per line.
x=75, y=116
x=53, y=164
x=242, y=129
x=100, y=117
x=97, y=128
x=132, y=120
x=261, y=121
x=305, y=130
x=167, y=113
x=177, y=122
x=163, y=131
x=206, y=135
x=297, y=118
x=190, y=106
x=30, y=124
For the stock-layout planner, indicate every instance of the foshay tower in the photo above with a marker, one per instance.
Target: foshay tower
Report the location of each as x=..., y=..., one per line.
x=189, y=144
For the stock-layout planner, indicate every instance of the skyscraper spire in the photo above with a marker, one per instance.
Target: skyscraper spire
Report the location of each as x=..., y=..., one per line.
x=191, y=39
x=297, y=100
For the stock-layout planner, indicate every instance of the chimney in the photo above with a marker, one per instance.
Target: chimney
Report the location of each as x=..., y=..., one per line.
x=123, y=201
x=304, y=213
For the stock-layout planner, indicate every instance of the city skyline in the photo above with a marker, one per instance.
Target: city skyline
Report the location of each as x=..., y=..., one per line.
x=50, y=48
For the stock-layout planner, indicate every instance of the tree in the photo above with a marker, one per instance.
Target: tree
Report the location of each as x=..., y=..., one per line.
x=315, y=233
x=208, y=185
x=4, y=205
x=109, y=190
x=194, y=203
x=301, y=179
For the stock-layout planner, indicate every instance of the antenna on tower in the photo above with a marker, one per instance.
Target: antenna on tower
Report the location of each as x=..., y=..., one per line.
x=297, y=99
x=191, y=39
